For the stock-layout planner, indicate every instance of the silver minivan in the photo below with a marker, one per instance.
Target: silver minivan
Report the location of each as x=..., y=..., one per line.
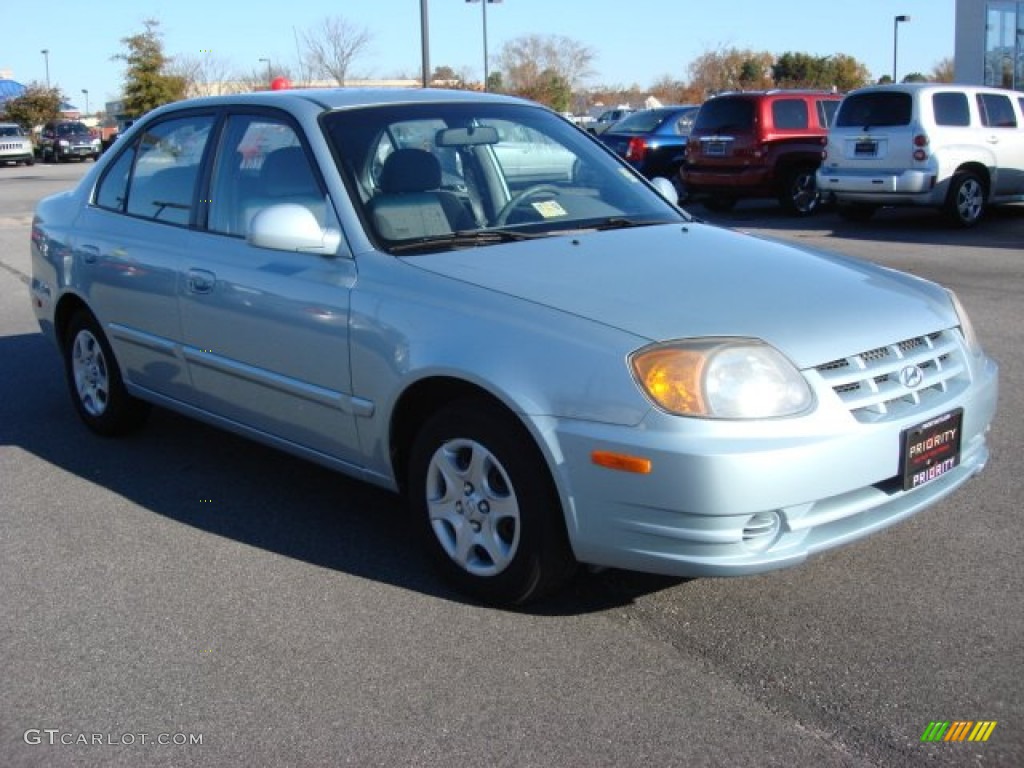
x=957, y=148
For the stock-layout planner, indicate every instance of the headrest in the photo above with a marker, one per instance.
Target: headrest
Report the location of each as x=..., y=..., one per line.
x=285, y=172
x=410, y=170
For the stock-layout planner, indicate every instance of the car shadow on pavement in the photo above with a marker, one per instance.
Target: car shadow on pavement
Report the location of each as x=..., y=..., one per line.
x=232, y=487
x=1002, y=227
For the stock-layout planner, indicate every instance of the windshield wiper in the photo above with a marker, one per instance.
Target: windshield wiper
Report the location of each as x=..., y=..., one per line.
x=462, y=239
x=621, y=222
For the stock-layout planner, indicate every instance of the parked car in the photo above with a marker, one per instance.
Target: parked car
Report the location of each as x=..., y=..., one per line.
x=15, y=146
x=63, y=140
x=654, y=140
x=957, y=148
x=759, y=144
x=608, y=118
x=577, y=372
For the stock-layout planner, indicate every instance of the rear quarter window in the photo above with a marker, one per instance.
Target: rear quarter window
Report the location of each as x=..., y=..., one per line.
x=827, y=112
x=875, y=110
x=951, y=109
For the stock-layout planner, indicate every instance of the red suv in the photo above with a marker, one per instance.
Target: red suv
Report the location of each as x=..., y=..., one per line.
x=759, y=144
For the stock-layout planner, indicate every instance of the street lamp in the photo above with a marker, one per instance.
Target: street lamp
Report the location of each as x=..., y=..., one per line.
x=46, y=58
x=483, y=7
x=896, y=40
x=86, y=92
x=269, y=73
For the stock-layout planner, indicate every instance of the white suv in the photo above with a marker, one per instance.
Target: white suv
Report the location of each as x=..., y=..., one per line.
x=958, y=148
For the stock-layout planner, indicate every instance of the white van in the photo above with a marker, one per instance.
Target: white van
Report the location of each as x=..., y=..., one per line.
x=958, y=148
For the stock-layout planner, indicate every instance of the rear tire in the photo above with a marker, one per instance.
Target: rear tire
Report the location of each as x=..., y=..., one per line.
x=965, y=203
x=798, y=194
x=484, y=503
x=94, y=380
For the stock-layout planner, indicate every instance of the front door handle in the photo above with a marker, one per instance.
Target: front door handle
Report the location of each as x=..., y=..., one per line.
x=201, y=281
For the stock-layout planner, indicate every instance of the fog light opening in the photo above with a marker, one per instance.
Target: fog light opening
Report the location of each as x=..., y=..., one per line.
x=761, y=531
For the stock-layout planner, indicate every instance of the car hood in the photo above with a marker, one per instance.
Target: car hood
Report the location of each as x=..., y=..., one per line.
x=683, y=281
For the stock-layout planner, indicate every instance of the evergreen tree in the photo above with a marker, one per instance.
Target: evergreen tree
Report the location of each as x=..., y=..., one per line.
x=148, y=83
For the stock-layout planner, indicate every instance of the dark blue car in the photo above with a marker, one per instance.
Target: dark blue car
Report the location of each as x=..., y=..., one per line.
x=654, y=141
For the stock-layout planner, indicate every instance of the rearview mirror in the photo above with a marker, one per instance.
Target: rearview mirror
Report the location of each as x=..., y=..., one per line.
x=467, y=137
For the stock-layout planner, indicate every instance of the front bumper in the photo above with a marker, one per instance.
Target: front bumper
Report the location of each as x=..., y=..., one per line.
x=729, y=499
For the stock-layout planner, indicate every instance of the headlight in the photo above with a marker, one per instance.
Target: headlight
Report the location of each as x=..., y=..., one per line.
x=965, y=324
x=721, y=379
x=63, y=143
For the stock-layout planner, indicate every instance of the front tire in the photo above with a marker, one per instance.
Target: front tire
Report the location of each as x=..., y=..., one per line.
x=94, y=379
x=485, y=505
x=965, y=203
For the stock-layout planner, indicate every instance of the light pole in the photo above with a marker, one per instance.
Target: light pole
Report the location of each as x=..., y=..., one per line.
x=896, y=40
x=269, y=73
x=46, y=58
x=483, y=7
x=425, y=41
x=86, y=92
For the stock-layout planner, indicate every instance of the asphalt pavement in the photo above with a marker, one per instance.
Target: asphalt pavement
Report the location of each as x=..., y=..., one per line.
x=185, y=597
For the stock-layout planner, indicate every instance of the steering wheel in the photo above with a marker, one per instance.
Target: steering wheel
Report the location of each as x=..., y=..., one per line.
x=517, y=200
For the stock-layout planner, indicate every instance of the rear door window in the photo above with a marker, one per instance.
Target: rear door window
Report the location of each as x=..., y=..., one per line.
x=951, y=109
x=790, y=114
x=875, y=110
x=163, y=181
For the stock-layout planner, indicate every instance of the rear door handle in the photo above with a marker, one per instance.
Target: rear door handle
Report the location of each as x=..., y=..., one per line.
x=200, y=281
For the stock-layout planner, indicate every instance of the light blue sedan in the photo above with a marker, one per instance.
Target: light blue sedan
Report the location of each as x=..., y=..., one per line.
x=554, y=371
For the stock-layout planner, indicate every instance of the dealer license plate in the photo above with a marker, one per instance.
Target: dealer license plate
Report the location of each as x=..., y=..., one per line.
x=930, y=450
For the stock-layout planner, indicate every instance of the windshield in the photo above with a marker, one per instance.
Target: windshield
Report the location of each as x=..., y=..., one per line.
x=10, y=130
x=71, y=129
x=471, y=174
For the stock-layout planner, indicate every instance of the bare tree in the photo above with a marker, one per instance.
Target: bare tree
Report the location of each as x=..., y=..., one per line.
x=528, y=63
x=730, y=69
x=207, y=75
x=331, y=48
x=943, y=71
x=260, y=78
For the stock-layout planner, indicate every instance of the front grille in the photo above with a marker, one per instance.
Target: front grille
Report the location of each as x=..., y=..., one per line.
x=869, y=383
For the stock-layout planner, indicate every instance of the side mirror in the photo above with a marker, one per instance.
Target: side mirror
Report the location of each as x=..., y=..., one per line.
x=292, y=227
x=666, y=189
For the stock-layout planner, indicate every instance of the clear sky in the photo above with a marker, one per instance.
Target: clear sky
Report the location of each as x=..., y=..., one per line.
x=636, y=41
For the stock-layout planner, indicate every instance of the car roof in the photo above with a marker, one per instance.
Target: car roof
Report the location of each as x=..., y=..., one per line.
x=341, y=98
x=778, y=92
x=917, y=87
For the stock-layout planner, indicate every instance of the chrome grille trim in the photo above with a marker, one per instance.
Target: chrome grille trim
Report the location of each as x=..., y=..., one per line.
x=868, y=383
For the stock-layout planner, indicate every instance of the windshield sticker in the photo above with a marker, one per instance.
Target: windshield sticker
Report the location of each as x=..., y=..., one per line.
x=550, y=209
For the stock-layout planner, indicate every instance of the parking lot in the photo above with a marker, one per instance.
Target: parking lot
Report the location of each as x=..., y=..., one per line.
x=185, y=597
